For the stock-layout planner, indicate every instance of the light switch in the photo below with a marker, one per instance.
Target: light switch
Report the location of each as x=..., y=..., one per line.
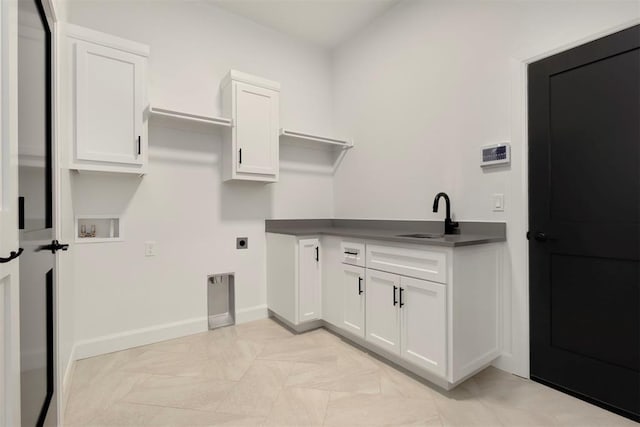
x=150, y=248
x=498, y=202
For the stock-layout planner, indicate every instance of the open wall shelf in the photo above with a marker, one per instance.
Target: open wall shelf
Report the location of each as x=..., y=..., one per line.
x=218, y=121
x=311, y=140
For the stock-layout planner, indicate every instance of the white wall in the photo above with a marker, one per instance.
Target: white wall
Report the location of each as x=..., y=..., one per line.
x=423, y=88
x=182, y=203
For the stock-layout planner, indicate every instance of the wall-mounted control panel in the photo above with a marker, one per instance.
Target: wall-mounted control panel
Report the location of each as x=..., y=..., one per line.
x=495, y=155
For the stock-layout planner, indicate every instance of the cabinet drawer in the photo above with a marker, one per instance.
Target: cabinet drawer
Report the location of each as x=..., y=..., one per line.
x=422, y=264
x=353, y=253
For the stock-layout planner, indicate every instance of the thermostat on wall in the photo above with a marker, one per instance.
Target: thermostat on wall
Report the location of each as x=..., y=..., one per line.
x=496, y=155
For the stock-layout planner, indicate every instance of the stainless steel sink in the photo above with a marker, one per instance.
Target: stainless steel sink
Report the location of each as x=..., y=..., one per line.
x=423, y=235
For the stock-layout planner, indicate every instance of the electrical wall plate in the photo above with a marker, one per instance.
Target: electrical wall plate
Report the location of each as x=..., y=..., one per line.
x=495, y=155
x=242, y=242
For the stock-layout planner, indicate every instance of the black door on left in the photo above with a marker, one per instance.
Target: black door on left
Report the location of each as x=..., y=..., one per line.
x=35, y=216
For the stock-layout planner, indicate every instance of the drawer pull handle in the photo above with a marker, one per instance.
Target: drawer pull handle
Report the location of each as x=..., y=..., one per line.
x=360, y=286
x=395, y=301
x=351, y=253
x=401, y=303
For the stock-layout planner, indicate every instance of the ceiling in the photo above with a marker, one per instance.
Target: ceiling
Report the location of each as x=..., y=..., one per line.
x=325, y=23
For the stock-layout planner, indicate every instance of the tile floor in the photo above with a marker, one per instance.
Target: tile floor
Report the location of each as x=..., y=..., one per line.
x=261, y=374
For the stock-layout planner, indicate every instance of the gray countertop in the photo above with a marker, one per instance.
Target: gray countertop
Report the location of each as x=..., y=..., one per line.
x=471, y=233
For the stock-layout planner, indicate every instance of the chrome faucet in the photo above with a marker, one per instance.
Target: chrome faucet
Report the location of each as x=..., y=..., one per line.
x=449, y=226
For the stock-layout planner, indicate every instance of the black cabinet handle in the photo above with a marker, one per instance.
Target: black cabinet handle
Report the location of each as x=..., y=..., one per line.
x=20, y=213
x=360, y=286
x=401, y=303
x=12, y=255
x=318, y=253
x=139, y=146
x=240, y=156
x=351, y=253
x=395, y=301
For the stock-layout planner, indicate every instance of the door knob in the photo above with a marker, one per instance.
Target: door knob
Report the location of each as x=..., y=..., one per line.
x=540, y=237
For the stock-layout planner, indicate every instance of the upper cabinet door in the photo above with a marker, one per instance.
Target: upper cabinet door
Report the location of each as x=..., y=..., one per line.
x=252, y=145
x=256, y=121
x=309, y=280
x=424, y=324
x=109, y=105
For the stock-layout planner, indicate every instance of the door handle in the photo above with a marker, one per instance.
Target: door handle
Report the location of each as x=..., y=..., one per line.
x=12, y=255
x=318, y=253
x=395, y=301
x=54, y=246
x=240, y=156
x=540, y=237
x=401, y=303
x=360, y=286
x=139, y=145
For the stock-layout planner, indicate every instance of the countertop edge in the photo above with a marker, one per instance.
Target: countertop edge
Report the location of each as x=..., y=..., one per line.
x=473, y=239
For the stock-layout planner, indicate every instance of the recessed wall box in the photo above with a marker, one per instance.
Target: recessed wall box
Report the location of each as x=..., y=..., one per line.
x=495, y=155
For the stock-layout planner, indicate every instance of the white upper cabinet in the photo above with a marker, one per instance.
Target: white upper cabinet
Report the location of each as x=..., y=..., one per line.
x=109, y=101
x=251, y=148
x=309, y=280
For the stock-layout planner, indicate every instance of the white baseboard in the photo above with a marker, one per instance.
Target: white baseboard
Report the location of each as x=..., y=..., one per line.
x=66, y=384
x=250, y=314
x=137, y=337
x=506, y=362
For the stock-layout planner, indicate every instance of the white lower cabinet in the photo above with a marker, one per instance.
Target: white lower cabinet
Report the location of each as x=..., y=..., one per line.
x=431, y=310
x=383, y=316
x=423, y=324
x=309, y=285
x=407, y=317
x=353, y=299
x=294, y=278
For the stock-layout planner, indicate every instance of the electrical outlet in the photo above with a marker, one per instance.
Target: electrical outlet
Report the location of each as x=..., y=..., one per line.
x=242, y=243
x=498, y=202
x=150, y=248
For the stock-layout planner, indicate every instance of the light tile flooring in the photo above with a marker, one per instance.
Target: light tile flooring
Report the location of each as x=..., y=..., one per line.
x=261, y=374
